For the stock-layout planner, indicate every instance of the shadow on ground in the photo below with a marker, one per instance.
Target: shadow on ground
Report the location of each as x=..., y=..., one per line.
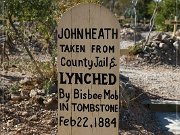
x=136, y=119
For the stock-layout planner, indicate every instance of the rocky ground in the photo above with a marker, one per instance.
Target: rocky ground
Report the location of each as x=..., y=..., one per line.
x=160, y=82
x=27, y=118
x=37, y=113
x=33, y=111
x=155, y=73
x=25, y=110
x=155, y=69
x=152, y=82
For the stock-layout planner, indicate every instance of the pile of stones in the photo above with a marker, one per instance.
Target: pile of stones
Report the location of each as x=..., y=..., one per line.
x=161, y=49
x=128, y=34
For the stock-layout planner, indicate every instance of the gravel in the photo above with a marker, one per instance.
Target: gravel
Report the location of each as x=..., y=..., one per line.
x=159, y=82
x=32, y=117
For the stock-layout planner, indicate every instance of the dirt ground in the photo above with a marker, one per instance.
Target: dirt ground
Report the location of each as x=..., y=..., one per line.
x=31, y=117
x=152, y=82
x=38, y=116
x=161, y=81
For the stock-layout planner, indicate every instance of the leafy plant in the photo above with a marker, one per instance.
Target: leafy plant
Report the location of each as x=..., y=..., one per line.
x=36, y=19
x=14, y=88
x=50, y=75
x=166, y=11
x=136, y=49
x=47, y=85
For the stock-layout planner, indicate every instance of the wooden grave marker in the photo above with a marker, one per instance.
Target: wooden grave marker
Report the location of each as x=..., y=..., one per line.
x=174, y=22
x=88, y=71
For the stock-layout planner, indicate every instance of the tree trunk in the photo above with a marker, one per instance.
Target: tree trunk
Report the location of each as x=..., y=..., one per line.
x=152, y=22
x=25, y=46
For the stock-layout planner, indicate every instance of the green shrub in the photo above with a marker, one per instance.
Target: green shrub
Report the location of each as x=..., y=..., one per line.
x=166, y=11
x=136, y=49
x=15, y=88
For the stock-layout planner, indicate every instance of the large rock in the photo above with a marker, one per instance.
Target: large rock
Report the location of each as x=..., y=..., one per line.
x=177, y=46
x=178, y=34
x=25, y=81
x=163, y=46
x=33, y=93
x=15, y=97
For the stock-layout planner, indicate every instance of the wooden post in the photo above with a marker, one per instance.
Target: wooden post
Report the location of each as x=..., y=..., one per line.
x=144, y=21
x=88, y=72
x=175, y=26
x=175, y=23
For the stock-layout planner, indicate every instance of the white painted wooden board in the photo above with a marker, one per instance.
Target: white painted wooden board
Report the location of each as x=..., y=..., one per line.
x=88, y=64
